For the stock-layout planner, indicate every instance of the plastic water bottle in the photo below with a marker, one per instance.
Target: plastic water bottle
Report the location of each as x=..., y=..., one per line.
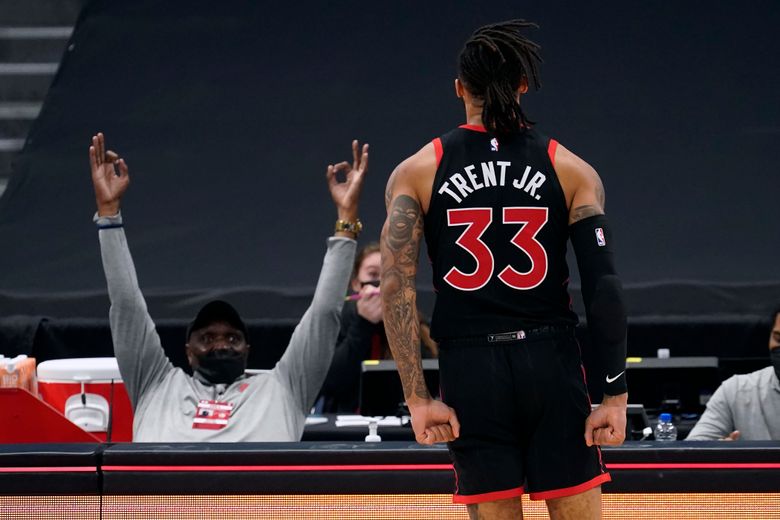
x=9, y=375
x=665, y=430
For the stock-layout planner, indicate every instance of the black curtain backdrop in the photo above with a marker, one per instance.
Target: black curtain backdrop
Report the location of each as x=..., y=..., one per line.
x=228, y=113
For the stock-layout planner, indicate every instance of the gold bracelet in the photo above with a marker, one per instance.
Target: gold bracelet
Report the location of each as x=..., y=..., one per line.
x=349, y=226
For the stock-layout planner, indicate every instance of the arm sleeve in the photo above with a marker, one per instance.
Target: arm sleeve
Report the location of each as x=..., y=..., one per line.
x=602, y=294
x=305, y=362
x=717, y=421
x=352, y=347
x=140, y=356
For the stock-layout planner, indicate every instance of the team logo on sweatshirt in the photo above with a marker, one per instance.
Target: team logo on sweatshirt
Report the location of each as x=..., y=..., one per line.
x=212, y=415
x=494, y=144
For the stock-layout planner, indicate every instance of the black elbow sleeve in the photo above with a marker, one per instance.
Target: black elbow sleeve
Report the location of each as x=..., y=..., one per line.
x=602, y=294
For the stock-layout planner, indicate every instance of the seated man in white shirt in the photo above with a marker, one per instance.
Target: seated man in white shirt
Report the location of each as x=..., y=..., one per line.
x=746, y=406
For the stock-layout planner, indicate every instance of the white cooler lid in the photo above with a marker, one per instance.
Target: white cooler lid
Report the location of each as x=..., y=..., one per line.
x=79, y=369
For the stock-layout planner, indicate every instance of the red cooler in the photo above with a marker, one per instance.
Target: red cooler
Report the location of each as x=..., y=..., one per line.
x=90, y=393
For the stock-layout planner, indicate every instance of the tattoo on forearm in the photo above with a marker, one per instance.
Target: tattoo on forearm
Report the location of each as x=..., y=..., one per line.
x=400, y=251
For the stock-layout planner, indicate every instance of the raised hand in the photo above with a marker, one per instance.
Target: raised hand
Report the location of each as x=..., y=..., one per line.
x=346, y=194
x=109, y=176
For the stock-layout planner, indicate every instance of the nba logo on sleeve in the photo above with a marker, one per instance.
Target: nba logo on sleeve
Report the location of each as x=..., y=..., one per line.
x=494, y=145
x=600, y=240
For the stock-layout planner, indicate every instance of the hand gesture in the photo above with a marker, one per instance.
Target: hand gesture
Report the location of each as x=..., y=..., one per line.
x=607, y=423
x=110, y=184
x=346, y=194
x=434, y=421
x=733, y=436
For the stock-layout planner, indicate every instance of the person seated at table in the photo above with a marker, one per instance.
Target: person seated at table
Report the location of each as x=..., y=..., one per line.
x=362, y=335
x=746, y=406
x=219, y=402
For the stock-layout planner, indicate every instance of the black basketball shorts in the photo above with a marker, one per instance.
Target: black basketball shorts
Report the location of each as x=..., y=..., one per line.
x=522, y=405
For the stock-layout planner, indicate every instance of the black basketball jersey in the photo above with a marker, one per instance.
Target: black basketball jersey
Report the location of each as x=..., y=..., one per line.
x=496, y=231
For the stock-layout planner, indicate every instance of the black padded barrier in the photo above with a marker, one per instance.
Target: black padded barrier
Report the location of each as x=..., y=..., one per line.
x=354, y=468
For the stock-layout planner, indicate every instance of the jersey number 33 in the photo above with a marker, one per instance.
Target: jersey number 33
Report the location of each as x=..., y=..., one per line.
x=477, y=220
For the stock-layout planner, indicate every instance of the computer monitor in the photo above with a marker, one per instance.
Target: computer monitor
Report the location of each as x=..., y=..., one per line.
x=676, y=384
x=381, y=393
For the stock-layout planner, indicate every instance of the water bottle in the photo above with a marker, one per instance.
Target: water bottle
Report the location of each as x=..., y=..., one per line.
x=665, y=430
x=9, y=375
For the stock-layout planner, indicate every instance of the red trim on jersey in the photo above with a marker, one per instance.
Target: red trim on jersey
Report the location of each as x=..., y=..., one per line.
x=573, y=490
x=488, y=497
x=439, y=150
x=551, y=148
x=476, y=128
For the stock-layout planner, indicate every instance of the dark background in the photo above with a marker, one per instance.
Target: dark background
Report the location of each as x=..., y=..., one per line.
x=228, y=112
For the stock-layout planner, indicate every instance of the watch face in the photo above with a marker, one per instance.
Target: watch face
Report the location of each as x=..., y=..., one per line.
x=352, y=227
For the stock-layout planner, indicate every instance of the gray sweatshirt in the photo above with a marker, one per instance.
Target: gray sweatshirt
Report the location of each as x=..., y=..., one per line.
x=749, y=403
x=271, y=406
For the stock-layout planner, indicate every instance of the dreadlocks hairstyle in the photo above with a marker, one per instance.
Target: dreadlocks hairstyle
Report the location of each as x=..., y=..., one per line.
x=492, y=64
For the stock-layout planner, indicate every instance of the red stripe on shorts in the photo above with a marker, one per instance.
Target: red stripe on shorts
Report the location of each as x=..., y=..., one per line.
x=573, y=490
x=488, y=497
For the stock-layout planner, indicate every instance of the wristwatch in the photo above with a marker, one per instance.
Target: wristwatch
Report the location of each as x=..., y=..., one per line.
x=349, y=226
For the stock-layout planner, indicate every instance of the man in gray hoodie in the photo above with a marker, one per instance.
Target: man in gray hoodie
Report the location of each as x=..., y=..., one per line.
x=219, y=402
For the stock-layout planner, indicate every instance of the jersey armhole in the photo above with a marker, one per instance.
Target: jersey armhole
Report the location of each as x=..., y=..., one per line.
x=437, y=147
x=551, y=149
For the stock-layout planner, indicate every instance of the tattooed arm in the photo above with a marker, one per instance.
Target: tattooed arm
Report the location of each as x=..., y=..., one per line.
x=400, y=246
x=432, y=421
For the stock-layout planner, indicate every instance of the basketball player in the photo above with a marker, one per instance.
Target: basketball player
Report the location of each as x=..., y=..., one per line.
x=497, y=202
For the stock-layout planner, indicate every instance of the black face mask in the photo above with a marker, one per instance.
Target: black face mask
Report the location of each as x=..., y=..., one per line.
x=221, y=366
x=774, y=356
